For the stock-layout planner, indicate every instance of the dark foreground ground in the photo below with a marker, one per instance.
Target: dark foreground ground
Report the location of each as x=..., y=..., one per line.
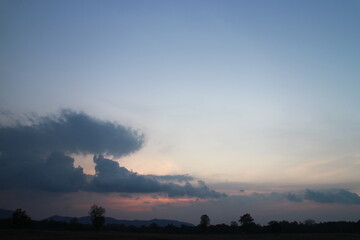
x=45, y=235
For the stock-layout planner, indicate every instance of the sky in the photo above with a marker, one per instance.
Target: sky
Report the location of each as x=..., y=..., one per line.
x=174, y=109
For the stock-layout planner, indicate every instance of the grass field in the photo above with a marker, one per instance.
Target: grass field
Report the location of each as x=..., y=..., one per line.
x=47, y=235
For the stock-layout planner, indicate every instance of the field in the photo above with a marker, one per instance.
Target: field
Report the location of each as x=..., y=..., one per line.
x=47, y=235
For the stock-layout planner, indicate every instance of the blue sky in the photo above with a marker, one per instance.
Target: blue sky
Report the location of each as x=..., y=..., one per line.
x=241, y=92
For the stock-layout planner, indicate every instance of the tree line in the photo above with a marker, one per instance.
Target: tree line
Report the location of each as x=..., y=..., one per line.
x=244, y=225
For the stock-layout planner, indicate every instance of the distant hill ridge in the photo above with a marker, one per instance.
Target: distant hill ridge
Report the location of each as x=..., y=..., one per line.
x=108, y=220
x=5, y=213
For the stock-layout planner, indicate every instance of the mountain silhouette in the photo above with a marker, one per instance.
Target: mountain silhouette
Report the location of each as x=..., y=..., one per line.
x=4, y=214
x=110, y=220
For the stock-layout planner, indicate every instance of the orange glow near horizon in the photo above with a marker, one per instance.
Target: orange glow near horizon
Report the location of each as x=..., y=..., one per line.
x=147, y=203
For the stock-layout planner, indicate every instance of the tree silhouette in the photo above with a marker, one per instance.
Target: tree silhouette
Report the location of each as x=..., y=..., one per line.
x=97, y=215
x=246, y=219
x=204, y=222
x=20, y=219
x=274, y=227
x=309, y=222
x=247, y=222
x=234, y=226
x=154, y=227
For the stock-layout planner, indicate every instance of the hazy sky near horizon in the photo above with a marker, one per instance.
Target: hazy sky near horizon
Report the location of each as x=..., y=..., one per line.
x=247, y=93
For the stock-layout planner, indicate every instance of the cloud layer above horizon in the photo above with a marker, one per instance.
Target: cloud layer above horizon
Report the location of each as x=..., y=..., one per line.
x=37, y=157
x=341, y=196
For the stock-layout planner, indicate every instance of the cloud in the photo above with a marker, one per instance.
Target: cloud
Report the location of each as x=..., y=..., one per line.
x=111, y=177
x=69, y=132
x=36, y=157
x=59, y=174
x=172, y=178
x=332, y=196
x=293, y=197
x=341, y=196
x=56, y=174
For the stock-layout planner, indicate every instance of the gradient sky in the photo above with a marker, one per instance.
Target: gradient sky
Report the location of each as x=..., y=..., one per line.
x=256, y=98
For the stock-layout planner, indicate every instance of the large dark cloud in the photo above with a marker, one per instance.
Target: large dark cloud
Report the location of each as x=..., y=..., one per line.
x=69, y=132
x=56, y=173
x=36, y=157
